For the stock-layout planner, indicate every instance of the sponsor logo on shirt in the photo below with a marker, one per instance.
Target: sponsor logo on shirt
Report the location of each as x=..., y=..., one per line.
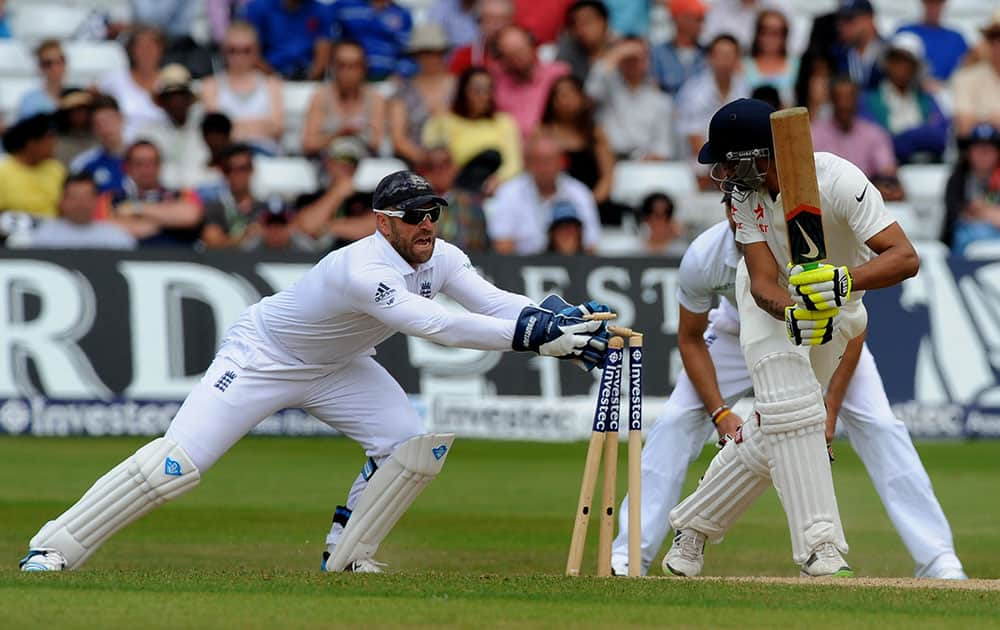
x=385, y=295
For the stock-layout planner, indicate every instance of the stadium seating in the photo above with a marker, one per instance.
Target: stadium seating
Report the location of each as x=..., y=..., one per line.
x=17, y=60
x=634, y=180
x=89, y=61
x=371, y=170
x=33, y=22
x=295, y=97
x=924, y=187
x=283, y=176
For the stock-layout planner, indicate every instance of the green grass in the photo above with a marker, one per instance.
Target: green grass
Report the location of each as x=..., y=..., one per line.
x=484, y=546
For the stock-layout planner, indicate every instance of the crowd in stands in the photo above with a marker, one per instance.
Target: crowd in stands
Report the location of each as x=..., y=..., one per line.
x=519, y=112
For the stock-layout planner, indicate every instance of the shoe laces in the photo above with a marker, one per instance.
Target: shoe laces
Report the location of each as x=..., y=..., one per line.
x=691, y=545
x=828, y=551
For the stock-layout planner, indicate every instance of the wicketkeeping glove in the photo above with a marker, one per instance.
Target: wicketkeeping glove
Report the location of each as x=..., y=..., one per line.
x=809, y=328
x=557, y=304
x=820, y=289
x=556, y=335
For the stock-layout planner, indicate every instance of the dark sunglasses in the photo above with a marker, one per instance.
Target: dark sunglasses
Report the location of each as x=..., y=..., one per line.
x=415, y=217
x=52, y=61
x=239, y=50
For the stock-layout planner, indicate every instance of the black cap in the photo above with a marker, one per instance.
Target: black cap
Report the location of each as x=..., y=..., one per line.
x=738, y=127
x=404, y=190
x=850, y=8
x=983, y=133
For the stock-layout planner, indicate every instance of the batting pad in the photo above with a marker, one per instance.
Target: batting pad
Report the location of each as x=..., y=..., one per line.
x=156, y=473
x=738, y=474
x=792, y=419
x=390, y=491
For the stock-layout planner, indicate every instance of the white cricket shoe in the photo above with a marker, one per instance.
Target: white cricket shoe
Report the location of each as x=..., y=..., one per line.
x=365, y=565
x=619, y=566
x=686, y=555
x=43, y=560
x=826, y=561
x=947, y=566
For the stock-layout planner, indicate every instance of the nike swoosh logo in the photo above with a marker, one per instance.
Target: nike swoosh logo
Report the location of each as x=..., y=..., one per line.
x=861, y=197
x=813, y=251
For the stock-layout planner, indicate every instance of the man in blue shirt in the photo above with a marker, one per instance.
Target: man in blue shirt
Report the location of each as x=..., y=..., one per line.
x=104, y=162
x=944, y=48
x=294, y=36
x=382, y=27
x=678, y=60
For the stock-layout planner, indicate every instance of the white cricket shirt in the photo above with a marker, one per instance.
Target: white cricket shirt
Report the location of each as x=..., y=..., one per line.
x=708, y=269
x=359, y=296
x=853, y=212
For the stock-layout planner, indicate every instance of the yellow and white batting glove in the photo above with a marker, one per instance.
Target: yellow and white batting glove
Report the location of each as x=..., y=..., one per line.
x=809, y=328
x=820, y=289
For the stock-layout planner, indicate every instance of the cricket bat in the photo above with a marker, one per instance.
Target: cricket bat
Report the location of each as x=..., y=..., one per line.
x=793, y=156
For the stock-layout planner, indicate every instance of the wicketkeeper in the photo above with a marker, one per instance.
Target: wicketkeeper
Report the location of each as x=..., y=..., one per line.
x=312, y=346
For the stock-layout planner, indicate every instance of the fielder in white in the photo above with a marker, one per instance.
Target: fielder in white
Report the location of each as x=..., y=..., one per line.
x=715, y=376
x=311, y=346
x=795, y=325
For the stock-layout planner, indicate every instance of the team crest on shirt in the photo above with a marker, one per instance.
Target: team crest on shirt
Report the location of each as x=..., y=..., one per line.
x=385, y=295
x=425, y=289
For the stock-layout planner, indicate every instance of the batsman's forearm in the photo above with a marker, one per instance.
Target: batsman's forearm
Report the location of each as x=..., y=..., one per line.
x=701, y=370
x=887, y=269
x=771, y=298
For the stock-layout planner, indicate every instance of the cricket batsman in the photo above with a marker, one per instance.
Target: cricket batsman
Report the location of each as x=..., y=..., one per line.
x=795, y=325
x=312, y=346
x=715, y=377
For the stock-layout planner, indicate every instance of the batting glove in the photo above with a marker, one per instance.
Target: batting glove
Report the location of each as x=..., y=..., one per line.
x=820, y=289
x=809, y=328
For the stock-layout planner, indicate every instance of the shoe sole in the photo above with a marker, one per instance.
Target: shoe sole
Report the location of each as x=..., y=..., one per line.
x=676, y=572
x=840, y=573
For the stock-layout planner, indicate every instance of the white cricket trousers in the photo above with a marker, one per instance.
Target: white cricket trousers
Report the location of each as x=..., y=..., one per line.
x=244, y=385
x=880, y=439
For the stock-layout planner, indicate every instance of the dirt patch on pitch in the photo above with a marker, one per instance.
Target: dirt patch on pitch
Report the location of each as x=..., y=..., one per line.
x=964, y=585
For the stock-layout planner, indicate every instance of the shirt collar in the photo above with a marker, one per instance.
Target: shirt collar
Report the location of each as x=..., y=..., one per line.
x=391, y=256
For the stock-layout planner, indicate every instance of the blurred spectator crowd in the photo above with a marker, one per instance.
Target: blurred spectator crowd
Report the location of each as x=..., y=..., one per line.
x=560, y=126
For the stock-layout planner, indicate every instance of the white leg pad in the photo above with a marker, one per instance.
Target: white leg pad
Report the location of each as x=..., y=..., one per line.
x=390, y=491
x=156, y=473
x=735, y=478
x=792, y=419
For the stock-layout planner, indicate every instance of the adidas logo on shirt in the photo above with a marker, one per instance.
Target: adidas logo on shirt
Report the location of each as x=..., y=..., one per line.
x=385, y=295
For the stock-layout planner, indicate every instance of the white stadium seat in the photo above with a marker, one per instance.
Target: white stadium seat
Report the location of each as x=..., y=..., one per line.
x=37, y=21
x=295, y=96
x=372, y=170
x=282, y=176
x=635, y=180
x=17, y=60
x=924, y=185
x=89, y=61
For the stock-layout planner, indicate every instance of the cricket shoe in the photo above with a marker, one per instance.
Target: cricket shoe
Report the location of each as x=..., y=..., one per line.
x=619, y=566
x=43, y=560
x=826, y=561
x=947, y=566
x=364, y=565
x=686, y=555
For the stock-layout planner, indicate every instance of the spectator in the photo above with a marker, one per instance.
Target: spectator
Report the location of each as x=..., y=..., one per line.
x=278, y=231
x=859, y=49
x=768, y=94
x=945, y=48
x=73, y=126
x=45, y=99
x=463, y=224
x=681, y=58
x=458, y=19
x=220, y=15
x=659, y=233
x=294, y=36
x=523, y=82
x=976, y=87
x=812, y=88
x=523, y=207
x=382, y=27
x=586, y=36
x=769, y=63
x=340, y=214
x=103, y=163
x=217, y=134
x=494, y=16
x=480, y=139
x=901, y=106
x=30, y=176
x=4, y=27
x=76, y=226
x=232, y=219
x=346, y=106
x=629, y=17
x=133, y=88
x=153, y=214
x=175, y=19
x=429, y=93
x=857, y=140
x=633, y=111
x=250, y=99
x=565, y=230
x=706, y=92
x=972, y=195
x=569, y=119
x=738, y=18
x=179, y=139
x=543, y=20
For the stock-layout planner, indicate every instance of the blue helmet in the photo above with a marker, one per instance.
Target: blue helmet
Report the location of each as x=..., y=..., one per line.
x=740, y=129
